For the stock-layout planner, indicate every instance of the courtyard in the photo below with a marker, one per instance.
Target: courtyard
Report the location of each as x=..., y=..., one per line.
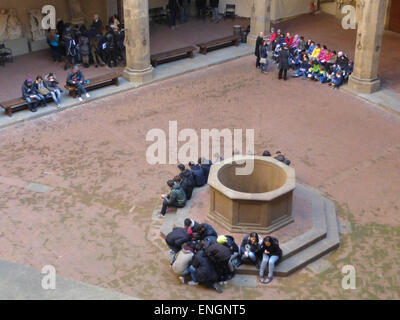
x=79, y=194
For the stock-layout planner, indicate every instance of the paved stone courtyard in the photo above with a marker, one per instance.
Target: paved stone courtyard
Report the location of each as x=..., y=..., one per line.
x=78, y=193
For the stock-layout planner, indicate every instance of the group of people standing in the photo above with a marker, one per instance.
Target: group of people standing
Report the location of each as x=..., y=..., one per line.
x=201, y=256
x=308, y=59
x=102, y=45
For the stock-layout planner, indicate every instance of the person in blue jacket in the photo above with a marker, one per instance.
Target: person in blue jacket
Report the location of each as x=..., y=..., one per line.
x=198, y=174
x=76, y=79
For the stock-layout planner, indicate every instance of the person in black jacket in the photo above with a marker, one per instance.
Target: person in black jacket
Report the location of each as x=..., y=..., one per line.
x=186, y=174
x=175, y=239
x=204, y=230
x=259, y=41
x=205, y=166
x=201, y=9
x=97, y=24
x=76, y=79
x=30, y=94
x=220, y=256
x=198, y=174
x=283, y=61
x=203, y=271
x=190, y=223
x=250, y=249
x=271, y=255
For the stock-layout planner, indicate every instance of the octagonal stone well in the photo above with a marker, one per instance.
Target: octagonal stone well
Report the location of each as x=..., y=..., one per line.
x=260, y=201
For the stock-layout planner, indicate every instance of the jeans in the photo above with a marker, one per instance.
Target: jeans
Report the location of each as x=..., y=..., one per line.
x=183, y=17
x=251, y=256
x=56, y=95
x=42, y=100
x=166, y=205
x=192, y=271
x=81, y=90
x=264, y=67
x=270, y=260
x=32, y=103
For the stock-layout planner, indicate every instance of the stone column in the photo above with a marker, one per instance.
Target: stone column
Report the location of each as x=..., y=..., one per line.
x=368, y=46
x=137, y=41
x=260, y=20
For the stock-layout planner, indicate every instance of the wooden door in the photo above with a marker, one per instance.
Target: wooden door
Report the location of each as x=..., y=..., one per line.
x=394, y=20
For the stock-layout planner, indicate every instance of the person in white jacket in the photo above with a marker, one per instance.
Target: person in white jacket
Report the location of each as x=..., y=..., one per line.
x=182, y=262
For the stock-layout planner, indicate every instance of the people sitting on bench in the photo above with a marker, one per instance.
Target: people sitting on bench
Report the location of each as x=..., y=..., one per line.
x=55, y=90
x=205, y=166
x=41, y=87
x=175, y=198
x=76, y=79
x=31, y=95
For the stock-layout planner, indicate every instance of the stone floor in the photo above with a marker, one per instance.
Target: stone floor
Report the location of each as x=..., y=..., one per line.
x=93, y=224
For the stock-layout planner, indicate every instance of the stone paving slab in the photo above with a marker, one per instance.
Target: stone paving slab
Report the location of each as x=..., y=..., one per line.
x=37, y=187
x=243, y=280
x=319, y=266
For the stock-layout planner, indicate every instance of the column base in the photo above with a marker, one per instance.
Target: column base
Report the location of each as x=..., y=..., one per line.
x=364, y=85
x=138, y=76
x=252, y=39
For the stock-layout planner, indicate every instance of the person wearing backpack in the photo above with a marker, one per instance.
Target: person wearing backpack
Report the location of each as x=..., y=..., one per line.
x=271, y=255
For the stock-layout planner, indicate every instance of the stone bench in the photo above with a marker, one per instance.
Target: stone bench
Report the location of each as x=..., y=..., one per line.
x=216, y=44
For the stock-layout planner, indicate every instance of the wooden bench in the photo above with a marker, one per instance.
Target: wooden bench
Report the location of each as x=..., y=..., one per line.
x=222, y=42
x=16, y=104
x=176, y=54
x=95, y=83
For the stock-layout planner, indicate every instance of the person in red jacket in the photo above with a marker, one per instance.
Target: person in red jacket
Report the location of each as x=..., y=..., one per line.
x=289, y=39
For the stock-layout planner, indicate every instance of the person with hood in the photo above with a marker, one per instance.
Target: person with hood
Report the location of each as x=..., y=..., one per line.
x=175, y=239
x=198, y=174
x=220, y=256
x=250, y=249
x=175, y=198
x=259, y=41
x=76, y=79
x=30, y=95
x=183, y=260
x=230, y=243
x=203, y=230
x=283, y=62
x=55, y=90
x=271, y=255
x=203, y=271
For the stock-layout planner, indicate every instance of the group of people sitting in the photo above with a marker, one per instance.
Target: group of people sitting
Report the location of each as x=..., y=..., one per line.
x=102, y=45
x=308, y=59
x=183, y=184
x=40, y=91
x=201, y=256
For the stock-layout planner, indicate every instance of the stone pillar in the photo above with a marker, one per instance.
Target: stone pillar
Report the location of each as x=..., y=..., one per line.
x=368, y=46
x=137, y=41
x=260, y=20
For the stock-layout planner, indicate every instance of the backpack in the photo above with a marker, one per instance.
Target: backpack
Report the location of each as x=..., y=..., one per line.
x=72, y=48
